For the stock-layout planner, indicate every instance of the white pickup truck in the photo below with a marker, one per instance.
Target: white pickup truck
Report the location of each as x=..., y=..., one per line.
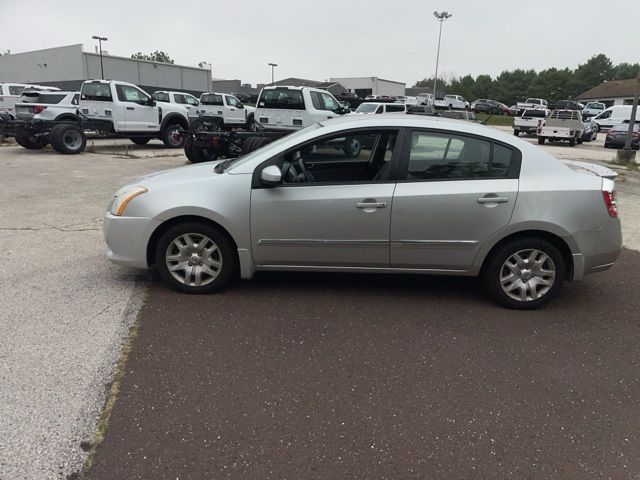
x=562, y=125
x=532, y=103
x=225, y=107
x=452, y=102
x=112, y=108
x=187, y=100
x=529, y=121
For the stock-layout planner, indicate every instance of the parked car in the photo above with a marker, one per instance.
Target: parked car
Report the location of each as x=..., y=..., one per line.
x=459, y=115
x=467, y=200
x=590, y=132
x=506, y=110
x=483, y=105
x=591, y=109
x=11, y=92
x=568, y=105
x=617, y=136
x=452, y=102
x=48, y=106
x=425, y=99
x=187, y=100
x=532, y=103
x=380, y=108
x=613, y=116
x=529, y=121
x=562, y=125
x=422, y=110
x=5, y=117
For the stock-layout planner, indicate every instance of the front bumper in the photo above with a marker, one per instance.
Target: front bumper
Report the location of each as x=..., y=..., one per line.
x=127, y=239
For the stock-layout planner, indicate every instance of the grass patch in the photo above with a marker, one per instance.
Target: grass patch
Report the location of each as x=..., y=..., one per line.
x=497, y=120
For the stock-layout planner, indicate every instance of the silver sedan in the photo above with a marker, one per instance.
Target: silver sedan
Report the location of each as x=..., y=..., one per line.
x=394, y=194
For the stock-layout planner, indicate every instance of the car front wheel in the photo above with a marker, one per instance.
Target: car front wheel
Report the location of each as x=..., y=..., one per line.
x=525, y=274
x=195, y=258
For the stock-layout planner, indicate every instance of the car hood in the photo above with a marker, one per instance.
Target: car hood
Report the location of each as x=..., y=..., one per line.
x=176, y=175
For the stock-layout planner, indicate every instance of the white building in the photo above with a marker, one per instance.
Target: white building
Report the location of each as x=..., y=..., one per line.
x=363, y=86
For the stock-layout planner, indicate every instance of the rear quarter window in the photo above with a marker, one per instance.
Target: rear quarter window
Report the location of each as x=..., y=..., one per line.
x=161, y=97
x=46, y=98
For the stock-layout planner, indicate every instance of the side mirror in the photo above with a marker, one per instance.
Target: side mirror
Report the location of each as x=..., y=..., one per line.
x=151, y=102
x=271, y=175
x=240, y=106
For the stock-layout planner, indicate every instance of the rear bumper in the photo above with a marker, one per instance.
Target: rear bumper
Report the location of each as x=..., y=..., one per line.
x=598, y=249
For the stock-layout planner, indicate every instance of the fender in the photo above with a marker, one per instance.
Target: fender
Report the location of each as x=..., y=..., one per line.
x=174, y=118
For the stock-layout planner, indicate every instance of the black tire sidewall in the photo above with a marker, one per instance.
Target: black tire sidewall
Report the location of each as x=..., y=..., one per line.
x=140, y=140
x=491, y=274
x=166, y=136
x=57, y=139
x=229, y=257
x=26, y=142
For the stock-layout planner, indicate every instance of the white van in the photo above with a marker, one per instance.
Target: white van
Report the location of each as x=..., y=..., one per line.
x=613, y=116
x=367, y=108
x=11, y=92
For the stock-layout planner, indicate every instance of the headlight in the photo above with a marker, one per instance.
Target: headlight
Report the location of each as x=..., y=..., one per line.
x=123, y=197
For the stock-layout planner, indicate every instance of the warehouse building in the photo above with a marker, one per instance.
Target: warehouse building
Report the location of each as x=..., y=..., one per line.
x=67, y=67
x=612, y=92
x=363, y=86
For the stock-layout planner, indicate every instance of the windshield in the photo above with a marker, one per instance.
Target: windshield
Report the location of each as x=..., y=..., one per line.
x=535, y=113
x=367, y=108
x=275, y=144
x=595, y=106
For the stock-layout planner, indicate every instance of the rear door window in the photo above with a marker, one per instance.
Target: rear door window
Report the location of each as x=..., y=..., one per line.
x=395, y=108
x=161, y=97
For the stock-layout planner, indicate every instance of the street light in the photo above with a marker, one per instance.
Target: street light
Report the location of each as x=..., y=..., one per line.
x=441, y=17
x=273, y=66
x=100, y=40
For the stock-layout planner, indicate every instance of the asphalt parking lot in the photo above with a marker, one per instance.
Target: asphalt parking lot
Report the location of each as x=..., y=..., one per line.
x=301, y=376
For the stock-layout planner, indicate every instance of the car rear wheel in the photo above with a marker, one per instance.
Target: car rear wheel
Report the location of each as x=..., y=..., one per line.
x=541, y=140
x=140, y=140
x=516, y=132
x=524, y=274
x=32, y=143
x=195, y=258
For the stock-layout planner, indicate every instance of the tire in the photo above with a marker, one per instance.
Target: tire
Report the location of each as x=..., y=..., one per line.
x=352, y=147
x=450, y=106
x=140, y=140
x=572, y=142
x=171, y=136
x=198, y=154
x=68, y=139
x=32, y=143
x=249, y=145
x=516, y=132
x=184, y=277
x=541, y=140
x=579, y=140
x=504, y=274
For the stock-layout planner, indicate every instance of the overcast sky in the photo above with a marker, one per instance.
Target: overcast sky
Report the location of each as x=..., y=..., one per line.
x=335, y=38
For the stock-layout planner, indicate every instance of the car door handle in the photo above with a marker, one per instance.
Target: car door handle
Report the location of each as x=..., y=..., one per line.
x=371, y=204
x=493, y=199
x=130, y=108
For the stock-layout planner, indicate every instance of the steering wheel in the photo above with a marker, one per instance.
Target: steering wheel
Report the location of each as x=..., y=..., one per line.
x=307, y=174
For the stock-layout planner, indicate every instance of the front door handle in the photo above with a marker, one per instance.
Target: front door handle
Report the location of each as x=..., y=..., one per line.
x=494, y=199
x=371, y=204
x=130, y=108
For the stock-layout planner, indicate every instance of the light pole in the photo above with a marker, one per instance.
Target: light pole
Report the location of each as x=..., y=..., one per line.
x=100, y=40
x=441, y=17
x=627, y=154
x=273, y=66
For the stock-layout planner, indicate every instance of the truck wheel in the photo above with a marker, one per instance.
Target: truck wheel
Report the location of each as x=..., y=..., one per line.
x=247, y=146
x=32, y=143
x=140, y=140
x=516, y=132
x=172, y=137
x=352, y=147
x=541, y=140
x=68, y=139
x=198, y=154
x=572, y=142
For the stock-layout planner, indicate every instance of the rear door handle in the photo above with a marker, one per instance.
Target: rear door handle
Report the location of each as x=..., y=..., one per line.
x=496, y=199
x=130, y=108
x=371, y=204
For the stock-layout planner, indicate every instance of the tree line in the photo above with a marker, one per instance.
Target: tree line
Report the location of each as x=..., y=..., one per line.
x=552, y=84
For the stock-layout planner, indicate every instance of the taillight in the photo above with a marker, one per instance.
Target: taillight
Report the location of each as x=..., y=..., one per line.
x=38, y=108
x=610, y=203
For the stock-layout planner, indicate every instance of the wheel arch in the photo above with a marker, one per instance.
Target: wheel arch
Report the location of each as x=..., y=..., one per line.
x=174, y=119
x=67, y=117
x=164, y=226
x=555, y=239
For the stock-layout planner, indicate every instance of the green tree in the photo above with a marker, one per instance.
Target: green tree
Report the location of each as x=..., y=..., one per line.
x=484, y=87
x=595, y=71
x=624, y=71
x=157, y=56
